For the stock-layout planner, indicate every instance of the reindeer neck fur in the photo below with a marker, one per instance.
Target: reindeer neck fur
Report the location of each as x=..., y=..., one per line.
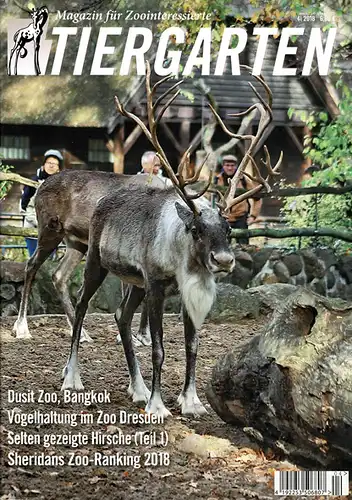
x=196, y=284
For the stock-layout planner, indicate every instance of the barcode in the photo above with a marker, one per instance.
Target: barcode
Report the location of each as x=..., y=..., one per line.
x=332, y=483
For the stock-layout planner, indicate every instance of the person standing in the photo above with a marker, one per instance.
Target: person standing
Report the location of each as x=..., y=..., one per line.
x=151, y=164
x=244, y=213
x=52, y=163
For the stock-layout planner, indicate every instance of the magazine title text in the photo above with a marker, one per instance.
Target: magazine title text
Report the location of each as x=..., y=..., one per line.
x=140, y=44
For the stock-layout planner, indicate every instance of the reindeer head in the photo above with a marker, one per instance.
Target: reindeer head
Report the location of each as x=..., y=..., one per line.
x=210, y=238
x=207, y=227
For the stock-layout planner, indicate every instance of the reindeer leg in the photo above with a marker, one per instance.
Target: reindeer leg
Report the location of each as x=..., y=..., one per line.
x=61, y=276
x=155, y=305
x=143, y=335
x=94, y=275
x=125, y=290
x=188, y=399
x=137, y=388
x=47, y=242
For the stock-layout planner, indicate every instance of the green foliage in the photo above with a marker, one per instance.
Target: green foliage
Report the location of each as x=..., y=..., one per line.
x=14, y=254
x=331, y=149
x=5, y=186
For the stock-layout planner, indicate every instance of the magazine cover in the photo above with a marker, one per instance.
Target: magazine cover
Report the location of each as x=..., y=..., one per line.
x=176, y=237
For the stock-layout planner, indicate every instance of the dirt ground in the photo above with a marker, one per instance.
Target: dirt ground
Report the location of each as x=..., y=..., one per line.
x=37, y=364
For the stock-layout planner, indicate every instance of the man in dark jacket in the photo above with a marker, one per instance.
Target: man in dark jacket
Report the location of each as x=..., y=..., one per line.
x=245, y=213
x=52, y=163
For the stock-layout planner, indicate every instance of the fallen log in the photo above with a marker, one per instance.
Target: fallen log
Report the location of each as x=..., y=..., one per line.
x=291, y=386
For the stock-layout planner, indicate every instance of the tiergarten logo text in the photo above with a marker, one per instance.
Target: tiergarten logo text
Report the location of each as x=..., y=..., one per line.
x=29, y=49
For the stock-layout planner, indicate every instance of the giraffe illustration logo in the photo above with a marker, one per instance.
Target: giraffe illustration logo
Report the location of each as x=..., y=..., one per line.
x=25, y=43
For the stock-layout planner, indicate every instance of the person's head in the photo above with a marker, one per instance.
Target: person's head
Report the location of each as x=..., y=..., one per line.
x=229, y=164
x=150, y=162
x=52, y=161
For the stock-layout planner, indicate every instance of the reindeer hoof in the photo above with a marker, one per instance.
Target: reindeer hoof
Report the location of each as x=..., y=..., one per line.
x=191, y=405
x=85, y=337
x=158, y=408
x=20, y=328
x=144, y=338
x=139, y=394
x=72, y=380
x=136, y=342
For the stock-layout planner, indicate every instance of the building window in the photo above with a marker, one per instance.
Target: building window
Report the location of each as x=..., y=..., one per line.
x=14, y=147
x=98, y=152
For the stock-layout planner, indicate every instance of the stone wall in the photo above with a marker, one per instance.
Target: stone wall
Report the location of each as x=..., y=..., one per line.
x=320, y=270
x=44, y=298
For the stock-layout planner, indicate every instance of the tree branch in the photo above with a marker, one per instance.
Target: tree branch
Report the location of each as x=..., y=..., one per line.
x=4, y=176
x=290, y=192
x=291, y=232
x=26, y=232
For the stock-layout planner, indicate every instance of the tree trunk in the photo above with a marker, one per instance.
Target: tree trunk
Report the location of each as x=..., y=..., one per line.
x=118, y=150
x=291, y=386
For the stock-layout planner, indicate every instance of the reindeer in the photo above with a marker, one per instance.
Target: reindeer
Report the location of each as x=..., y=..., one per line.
x=151, y=239
x=64, y=205
x=31, y=33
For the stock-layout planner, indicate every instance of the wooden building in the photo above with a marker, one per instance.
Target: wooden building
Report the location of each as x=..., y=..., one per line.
x=84, y=137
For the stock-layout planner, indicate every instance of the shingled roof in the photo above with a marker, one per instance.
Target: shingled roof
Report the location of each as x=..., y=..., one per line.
x=231, y=92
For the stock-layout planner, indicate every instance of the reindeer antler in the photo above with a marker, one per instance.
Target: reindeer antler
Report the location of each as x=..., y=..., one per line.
x=179, y=180
x=266, y=116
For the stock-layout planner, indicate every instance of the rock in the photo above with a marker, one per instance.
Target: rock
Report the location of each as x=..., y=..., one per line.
x=281, y=272
x=314, y=267
x=318, y=286
x=243, y=258
x=327, y=255
x=243, y=272
x=12, y=271
x=108, y=296
x=232, y=303
x=260, y=257
x=293, y=382
x=294, y=263
x=9, y=309
x=44, y=298
x=240, y=276
x=348, y=292
x=7, y=291
x=206, y=446
x=345, y=267
x=271, y=296
x=173, y=304
x=300, y=279
x=330, y=279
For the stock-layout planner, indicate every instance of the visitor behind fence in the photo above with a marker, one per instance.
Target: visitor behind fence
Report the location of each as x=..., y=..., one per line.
x=151, y=164
x=245, y=213
x=52, y=163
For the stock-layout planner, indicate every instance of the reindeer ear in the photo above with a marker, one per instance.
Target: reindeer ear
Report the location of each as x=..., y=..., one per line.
x=185, y=214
